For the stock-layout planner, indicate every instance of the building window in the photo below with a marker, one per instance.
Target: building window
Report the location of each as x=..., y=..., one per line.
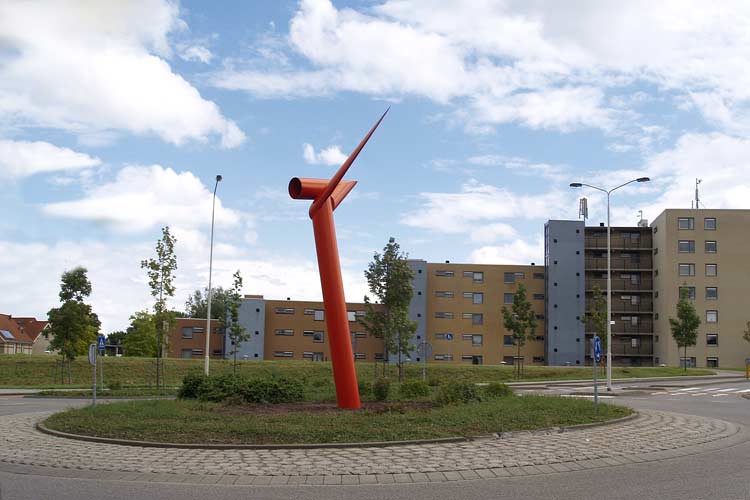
x=690, y=362
x=197, y=352
x=360, y=355
x=690, y=292
x=538, y=359
x=686, y=246
x=186, y=353
x=320, y=315
x=476, y=339
x=283, y=354
x=443, y=336
x=285, y=333
x=379, y=356
x=712, y=316
x=712, y=269
x=444, y=294
x=476, y=318
x=538, y=276
x=687, y=269
x=538, y=296
x=709, y=223
x=309, y=312
x=712, y=339
x=710, y=246
x=476, y=297
x=509, y=277
x=360, y=313
x=187, y=332
x=712, y=293
x=318, y=336
x=685, y=223
x=476, y=277
x=284, y=310
x=539, y=316
x=351, y=315
x=443, y=357
x=712, y=362
x=508, y=340
x=360, y=335
x=444, y=273
x=508, y=298
x=444, y=315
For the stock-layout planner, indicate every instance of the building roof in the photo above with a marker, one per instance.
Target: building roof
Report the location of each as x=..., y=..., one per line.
x=31, y=327
x=11, y=332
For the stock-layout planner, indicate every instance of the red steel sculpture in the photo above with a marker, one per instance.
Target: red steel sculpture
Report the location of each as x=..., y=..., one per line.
x=326, y=196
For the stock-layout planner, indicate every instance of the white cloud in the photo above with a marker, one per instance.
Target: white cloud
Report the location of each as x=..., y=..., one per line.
x=195, y=53
x=477, y=205
x=98, y=67
x=23, y=158
x=142, y=198
x=332, y=155
x=514, y=252
x=539, y=64
x=520, y=166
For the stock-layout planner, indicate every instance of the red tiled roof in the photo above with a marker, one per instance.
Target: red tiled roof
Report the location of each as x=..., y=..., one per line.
x=31, y=327
x=8, y=323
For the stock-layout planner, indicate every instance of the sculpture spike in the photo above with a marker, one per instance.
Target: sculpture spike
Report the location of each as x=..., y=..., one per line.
x=323, y=198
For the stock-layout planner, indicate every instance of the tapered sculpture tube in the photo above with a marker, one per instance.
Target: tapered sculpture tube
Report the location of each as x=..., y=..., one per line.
x=326, y=196
x=337, y=321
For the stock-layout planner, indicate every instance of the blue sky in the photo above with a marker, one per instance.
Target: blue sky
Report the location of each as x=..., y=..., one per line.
x=115, y=118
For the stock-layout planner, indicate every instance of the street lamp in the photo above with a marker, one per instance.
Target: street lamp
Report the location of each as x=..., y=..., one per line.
x=210, y=269
x=609, y=270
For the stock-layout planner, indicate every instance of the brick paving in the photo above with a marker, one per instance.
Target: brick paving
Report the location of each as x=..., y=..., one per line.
x=651, y=436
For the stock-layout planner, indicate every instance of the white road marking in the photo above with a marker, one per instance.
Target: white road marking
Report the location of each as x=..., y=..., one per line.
x=585, y=396
x=728, y=390
x=690, y=389
x=719, y=395
x=744, y=390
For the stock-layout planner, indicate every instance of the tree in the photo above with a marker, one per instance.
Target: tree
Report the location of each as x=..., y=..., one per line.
x=596, y=319
x=237, y=333
x=520, y=319
x=160, y=273
x=141, y=338
x=685, y=327
x=389, y=278
x=746, y=336
x=197, y=304
x=116, y=338
x=73, y=325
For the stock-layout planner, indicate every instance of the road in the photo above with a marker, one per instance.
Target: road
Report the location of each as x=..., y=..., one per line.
x=722, y=474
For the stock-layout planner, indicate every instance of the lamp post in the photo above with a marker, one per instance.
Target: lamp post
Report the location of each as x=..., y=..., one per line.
x=210, y=269
x=609, y=269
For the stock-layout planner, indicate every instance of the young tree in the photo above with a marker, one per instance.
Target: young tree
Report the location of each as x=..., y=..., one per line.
x=237, y=333
x=160, y=273
x=390, y=281
x=520, y=319
x=73, y=325
x=141, y=339
x=596, y=319
x=746, y=336
x=685, y=327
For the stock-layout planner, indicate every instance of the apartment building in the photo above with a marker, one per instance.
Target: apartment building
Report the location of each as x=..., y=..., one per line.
x=458, y=309
x=187, y=339
x=707, y=253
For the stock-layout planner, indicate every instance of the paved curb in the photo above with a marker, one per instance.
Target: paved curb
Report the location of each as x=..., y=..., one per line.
x=371, y=444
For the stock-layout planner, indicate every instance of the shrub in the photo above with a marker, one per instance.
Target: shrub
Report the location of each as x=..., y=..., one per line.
x=114, y=385
x=272, y=391
x=381, y=388
x=365, y=388
x=218, y=388
x=190, y=384
x=458, y=392
x=414, y=389
x=497, y=390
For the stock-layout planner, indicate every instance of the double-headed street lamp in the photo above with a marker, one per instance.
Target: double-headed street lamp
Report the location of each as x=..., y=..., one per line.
x=609, y=270
x=210, y=269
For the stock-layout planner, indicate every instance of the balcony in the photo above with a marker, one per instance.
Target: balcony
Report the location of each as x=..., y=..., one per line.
x=618, y=242
x=626, y=306
x=600, y=263
x=626, y=349
x=620, y=284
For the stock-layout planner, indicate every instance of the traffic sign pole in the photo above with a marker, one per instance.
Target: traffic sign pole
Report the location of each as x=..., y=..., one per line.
x=92, y=359
x=747, y=368
x=596, y=356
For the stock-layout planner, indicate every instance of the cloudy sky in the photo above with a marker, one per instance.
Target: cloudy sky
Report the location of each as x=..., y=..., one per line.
x=115, y=118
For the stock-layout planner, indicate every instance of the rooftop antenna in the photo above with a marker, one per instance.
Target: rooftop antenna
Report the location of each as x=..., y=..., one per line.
x=697, y=198
x=640, y=215
x=583, y=209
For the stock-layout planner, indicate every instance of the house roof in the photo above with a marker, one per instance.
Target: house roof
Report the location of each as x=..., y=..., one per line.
x=11, y=332
x=31, y=327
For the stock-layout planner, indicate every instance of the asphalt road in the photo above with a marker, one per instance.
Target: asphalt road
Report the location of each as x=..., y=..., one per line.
x=723, y=474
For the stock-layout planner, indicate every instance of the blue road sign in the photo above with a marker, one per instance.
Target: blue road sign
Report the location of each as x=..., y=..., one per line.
x=597, y=348
x=100, y=343
x=448, y=336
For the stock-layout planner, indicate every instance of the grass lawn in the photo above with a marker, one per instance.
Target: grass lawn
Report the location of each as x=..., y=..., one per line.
x=38, y=371
x=196, y=422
